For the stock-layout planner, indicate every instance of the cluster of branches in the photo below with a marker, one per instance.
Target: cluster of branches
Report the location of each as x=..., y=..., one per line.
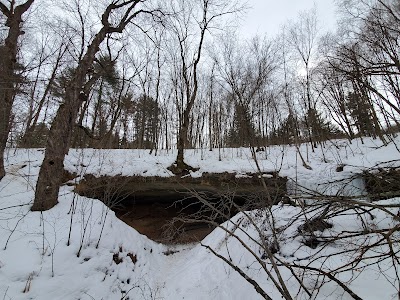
x=363, y=69
x=308, y=249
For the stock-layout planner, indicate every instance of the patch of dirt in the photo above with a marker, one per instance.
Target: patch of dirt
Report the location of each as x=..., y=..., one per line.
x=117, y=259
x=155, y=221
x=132, y=257
x=316, y=224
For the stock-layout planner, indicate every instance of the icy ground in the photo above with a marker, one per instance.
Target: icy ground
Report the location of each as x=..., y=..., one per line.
x=116, y=262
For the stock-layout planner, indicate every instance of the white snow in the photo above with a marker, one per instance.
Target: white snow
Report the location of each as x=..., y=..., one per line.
x=37, y=263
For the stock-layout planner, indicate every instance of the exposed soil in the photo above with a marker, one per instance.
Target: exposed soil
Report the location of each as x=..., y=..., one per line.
x=152, y=205
x=156, y=221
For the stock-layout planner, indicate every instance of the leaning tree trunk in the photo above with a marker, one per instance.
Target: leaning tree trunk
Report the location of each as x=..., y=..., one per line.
x=8, y=60
x=51, y=172
x=52, y=169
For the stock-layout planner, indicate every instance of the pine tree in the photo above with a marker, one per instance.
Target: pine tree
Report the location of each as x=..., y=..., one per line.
x=360, y=111
x=146, y=122
x=242, y=132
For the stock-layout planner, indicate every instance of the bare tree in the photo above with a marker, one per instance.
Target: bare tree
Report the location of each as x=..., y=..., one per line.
x=245, y=71
x=333, y=89
x=369, y=56
x=288, y=99
x=189, y=28
x=8, y=63
x=303, y=38
x=41, y=90
x=50, y=176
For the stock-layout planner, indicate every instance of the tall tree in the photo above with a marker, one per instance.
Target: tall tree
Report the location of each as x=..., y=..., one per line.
x=190, y=25
x=242, y=132
x=369, y=55
x=8, y=52
x=245, y=70
x=38, y=100
x=146, y=122
x=50, y=175
x=303, y=37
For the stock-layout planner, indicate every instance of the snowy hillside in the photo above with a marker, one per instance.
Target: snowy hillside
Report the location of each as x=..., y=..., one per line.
x=80, y=250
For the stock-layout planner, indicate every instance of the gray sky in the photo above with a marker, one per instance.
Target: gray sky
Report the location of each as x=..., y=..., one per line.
x=267, y=16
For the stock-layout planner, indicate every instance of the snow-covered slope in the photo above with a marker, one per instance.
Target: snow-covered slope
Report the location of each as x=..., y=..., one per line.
x=39, y=251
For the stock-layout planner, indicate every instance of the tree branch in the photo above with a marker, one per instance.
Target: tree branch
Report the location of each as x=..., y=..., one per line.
x=4, y=10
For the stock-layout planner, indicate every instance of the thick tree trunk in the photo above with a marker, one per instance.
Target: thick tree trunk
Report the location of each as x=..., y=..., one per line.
x=180, y=166
x=8, y=59
x=51, y=171
x=181, y=147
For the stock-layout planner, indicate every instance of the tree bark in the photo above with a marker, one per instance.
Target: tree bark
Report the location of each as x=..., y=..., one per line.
x=51, y=171
x=8, y=53
x=191, y=95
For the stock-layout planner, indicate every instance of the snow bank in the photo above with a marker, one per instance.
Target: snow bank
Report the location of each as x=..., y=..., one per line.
x=39, y=252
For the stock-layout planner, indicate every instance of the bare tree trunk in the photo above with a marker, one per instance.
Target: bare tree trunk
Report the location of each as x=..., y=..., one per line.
x=183, y=132
x=109, y=138
x=8, y=54
x=51, y=172
x=189, y=71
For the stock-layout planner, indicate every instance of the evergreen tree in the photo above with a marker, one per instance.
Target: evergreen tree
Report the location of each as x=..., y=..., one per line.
x=242, y=132
x=321, y=128
x=360, y=111
x=291, y=127
x=146, y=122
x=36, y=138
x=286, y=132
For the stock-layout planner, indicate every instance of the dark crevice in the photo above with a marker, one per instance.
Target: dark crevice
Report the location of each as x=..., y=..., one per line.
x=172, y=209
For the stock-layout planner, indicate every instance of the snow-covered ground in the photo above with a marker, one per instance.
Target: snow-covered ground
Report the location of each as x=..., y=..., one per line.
x=39, y=251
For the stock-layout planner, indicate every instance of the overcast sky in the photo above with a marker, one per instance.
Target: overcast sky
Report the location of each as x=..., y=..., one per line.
x=267, y=16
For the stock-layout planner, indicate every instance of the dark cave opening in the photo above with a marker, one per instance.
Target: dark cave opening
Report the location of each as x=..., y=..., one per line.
x=183, y=210
x=173, y=220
